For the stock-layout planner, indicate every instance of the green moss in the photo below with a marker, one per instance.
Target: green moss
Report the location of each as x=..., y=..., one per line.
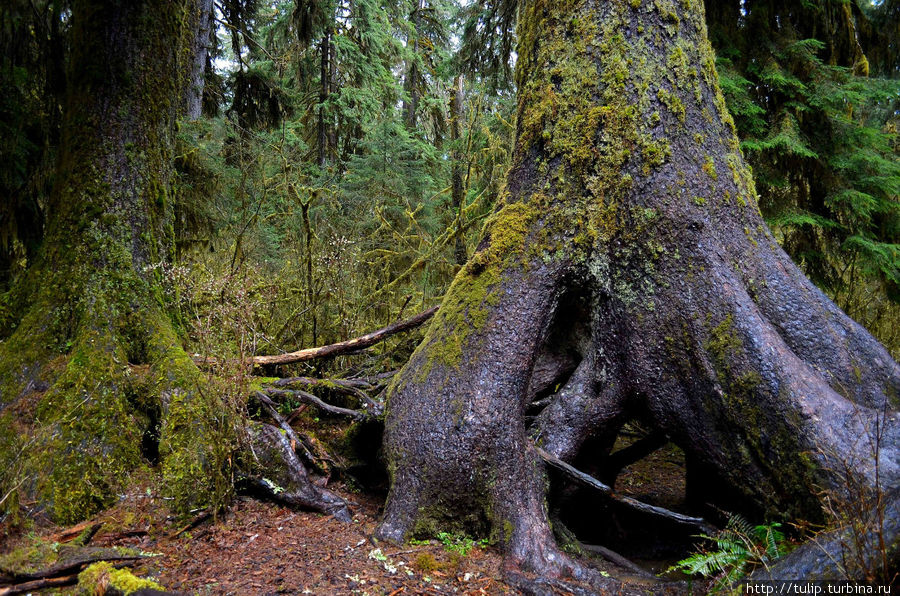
x=30, y=558
x=468, y=302
x=92, y=435
x=102, y=576
x=709, y=166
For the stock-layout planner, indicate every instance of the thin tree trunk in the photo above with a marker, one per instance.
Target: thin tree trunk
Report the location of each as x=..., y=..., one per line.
x=200, y=51
x=324, y=91
x=456, y=174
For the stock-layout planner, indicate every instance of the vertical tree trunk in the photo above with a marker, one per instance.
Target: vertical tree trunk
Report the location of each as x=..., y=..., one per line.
x=456, y=174
x=93, y=379
x=200, y=52
x=324, y=91
x=630, y=231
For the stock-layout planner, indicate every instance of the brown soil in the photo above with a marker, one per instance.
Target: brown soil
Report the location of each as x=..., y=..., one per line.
x=257, y=548
x=262, y=548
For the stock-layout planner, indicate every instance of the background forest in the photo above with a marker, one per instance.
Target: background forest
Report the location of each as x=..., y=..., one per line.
x=337, y=170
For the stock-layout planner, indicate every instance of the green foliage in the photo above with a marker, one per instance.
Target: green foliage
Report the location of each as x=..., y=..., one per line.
x=820, y=131
x=460, y=544
x=737, y=550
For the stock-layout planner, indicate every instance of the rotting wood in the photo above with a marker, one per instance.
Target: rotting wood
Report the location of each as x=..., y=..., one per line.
x=305, y=446
x=336, y=349
x=592, y=482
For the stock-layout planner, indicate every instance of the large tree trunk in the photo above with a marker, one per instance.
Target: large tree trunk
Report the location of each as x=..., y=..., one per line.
x=630, y=231
x=93, y=380
x=93, y=299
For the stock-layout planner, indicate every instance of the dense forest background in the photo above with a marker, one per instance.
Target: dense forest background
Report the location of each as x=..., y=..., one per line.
x=334, y=171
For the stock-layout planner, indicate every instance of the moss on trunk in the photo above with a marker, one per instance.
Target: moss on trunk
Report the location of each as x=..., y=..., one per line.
x=628, y=190
x=93, y=313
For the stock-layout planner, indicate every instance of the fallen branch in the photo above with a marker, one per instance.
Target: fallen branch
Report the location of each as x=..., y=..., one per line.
x=592, y=482
x=352, y=387
x=326, y=383
x=84, y=531
x=343, y=347
x=617, y=559
x=289, y=431
x=39, y=584
x=93, y=555
x=315, y=401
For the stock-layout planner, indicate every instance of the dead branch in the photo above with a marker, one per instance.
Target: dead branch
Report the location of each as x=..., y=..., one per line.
x=326, y=383
x=337, y=349
x=90, y=555
x=315, y=401
x=85, y=531
x=592, y=482
x=296, y=440
x=198, y=519
x=352, y=387
x=39, y=584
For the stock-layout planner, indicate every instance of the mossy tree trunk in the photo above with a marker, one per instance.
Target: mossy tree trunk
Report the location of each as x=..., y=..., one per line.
x=629, y=264
x=93, y=367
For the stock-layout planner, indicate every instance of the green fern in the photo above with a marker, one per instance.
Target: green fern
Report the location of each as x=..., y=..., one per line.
x=739, y=548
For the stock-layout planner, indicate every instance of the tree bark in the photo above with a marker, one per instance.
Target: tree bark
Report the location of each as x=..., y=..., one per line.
x=95, y=305
x=200, y=45
x=630, y=229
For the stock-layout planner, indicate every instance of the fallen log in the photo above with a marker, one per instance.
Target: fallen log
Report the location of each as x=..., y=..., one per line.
x=336, y=349
x=76, y=563
x=39, y=584
x=592, y=482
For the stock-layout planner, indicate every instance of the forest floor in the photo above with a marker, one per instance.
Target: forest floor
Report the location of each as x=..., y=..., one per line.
x=257, y=548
